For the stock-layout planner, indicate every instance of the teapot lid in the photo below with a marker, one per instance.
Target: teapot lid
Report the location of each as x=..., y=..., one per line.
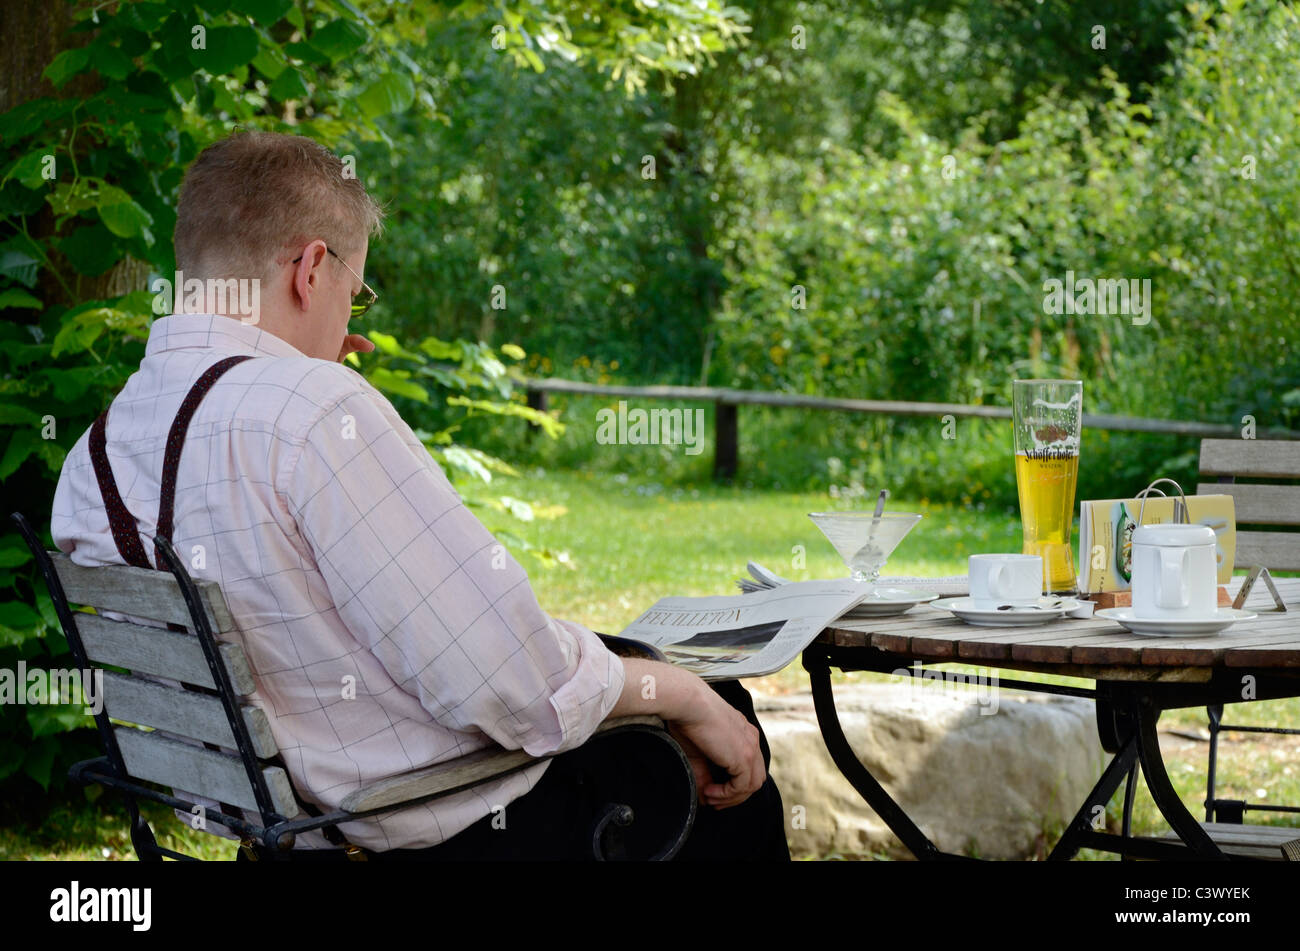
x=1173, y=535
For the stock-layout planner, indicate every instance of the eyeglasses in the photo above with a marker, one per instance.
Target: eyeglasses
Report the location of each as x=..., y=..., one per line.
x=368, y=302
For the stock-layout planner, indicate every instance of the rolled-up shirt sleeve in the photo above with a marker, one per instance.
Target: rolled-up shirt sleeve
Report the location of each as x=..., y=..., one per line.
x=432, y=594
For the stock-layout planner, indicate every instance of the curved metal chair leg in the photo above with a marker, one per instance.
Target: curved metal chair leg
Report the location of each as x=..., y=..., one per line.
x=146, y=846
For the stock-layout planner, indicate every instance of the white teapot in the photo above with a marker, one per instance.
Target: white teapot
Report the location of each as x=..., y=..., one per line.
x=1175, y=572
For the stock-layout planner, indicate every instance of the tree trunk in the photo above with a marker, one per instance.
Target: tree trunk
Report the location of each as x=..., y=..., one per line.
x=35, y=34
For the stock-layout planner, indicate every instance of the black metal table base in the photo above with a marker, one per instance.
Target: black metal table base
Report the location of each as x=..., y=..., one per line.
x=1127, y=715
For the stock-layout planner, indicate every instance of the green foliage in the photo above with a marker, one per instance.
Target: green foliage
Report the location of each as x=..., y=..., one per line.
x=921, y=277
x=924, y=268
x=1223, y=233
x=627, y=41
x=527, y=216
x=996, y=60
x=871, y=246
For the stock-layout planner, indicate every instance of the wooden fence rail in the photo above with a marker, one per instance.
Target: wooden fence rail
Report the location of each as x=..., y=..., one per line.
x=726, y=429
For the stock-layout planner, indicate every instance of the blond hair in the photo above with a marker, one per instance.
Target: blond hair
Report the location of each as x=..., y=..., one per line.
x=254, y=195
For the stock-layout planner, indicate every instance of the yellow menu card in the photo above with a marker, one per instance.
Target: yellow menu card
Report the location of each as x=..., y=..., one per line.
x=1106, y=529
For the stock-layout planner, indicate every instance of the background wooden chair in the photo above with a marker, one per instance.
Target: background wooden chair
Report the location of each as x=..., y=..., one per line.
x=232, y=757
x=1273, y=505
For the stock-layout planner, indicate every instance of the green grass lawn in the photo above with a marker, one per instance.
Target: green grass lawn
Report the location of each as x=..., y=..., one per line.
x=630, y=542
x=72, y=828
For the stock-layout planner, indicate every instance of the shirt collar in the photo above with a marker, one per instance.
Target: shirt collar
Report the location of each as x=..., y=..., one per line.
x=187, y=331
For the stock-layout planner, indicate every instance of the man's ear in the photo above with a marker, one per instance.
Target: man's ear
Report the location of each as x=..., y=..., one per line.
x=306, y=275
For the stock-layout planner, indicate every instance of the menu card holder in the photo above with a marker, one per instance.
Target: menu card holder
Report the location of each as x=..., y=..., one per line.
x=1257, y=572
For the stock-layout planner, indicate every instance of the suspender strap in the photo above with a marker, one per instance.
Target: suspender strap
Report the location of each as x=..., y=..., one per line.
x=120, y=520
x=126, y=534
x=176, y=441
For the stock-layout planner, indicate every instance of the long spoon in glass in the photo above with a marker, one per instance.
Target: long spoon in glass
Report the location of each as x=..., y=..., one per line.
x=875, y=521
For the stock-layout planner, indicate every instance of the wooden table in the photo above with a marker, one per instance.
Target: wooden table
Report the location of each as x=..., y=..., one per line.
x=1136, y=678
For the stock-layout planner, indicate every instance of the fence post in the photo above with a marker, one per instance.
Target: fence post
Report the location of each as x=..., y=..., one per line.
x=536, y=399
x=725, y=451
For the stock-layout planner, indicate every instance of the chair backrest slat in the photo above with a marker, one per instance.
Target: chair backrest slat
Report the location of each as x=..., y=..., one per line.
x=1257, y=503
x=139, y=592
x=160, y=652
x=198, y=716
x=1251, y=458
x=181, y=766
x=1276, y=551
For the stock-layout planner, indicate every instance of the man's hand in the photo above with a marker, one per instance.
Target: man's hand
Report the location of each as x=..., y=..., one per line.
x=721, y=735
x=355, y=343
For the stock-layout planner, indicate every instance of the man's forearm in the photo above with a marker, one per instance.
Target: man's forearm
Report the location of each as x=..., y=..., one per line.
x=710, y=730
x=651, y=686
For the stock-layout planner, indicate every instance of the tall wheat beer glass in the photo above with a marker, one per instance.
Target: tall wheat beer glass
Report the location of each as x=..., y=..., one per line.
x=1046, y=417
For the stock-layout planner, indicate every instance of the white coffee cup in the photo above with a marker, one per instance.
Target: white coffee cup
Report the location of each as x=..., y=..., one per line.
x=1006, y=579
x=1174, y=572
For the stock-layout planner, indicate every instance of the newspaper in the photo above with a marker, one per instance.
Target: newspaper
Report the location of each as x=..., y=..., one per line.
x=747, y=635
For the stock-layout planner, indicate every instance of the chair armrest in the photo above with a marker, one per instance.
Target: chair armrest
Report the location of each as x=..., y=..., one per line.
x=463, y=773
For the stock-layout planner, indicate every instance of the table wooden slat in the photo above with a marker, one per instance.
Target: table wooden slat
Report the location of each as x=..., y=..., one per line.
x=1272, y=640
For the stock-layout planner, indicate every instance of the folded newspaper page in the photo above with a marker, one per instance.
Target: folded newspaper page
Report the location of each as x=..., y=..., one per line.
x=747, y=635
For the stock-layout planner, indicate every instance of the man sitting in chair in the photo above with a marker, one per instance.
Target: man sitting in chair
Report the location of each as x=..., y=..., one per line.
x=387, y=629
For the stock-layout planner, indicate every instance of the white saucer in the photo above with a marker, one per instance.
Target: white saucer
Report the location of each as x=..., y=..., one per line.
x=886, y=601
x=984, y=615
x=1176, y=627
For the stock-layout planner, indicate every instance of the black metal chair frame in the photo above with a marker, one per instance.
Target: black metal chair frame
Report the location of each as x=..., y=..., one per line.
x=276, y=832
x=1233, y=810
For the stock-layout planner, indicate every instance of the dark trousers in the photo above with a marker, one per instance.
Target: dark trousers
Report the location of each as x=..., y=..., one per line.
x=554, y=821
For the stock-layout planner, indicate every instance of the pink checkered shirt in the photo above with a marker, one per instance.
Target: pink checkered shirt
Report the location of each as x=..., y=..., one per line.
x=346, y=557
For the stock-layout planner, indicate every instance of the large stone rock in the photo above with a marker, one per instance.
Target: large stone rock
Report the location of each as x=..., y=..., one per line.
x=984, y=772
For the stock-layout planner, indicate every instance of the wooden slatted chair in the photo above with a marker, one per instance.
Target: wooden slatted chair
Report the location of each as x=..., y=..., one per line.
x=231, y=756
x=1271, y=507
